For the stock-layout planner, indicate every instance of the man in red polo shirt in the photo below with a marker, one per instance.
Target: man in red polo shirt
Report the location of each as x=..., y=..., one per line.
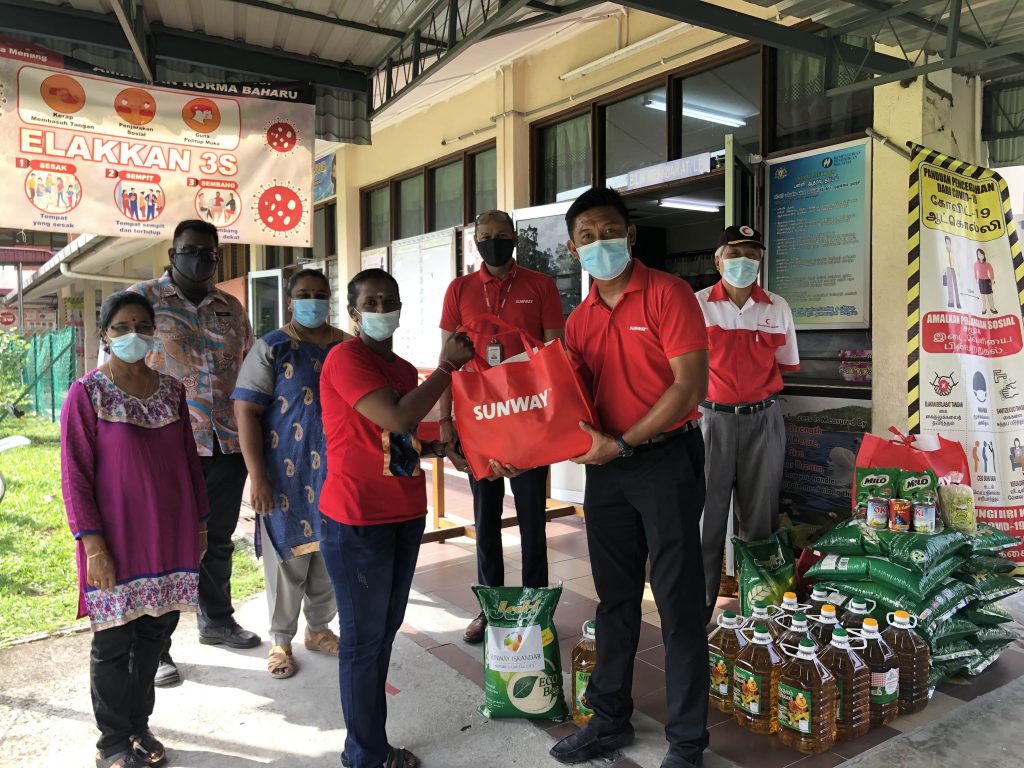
x=752, y=339
x=528, y=300
x=639, y=345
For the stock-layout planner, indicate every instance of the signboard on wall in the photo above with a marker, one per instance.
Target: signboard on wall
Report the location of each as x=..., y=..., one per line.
x=964, y=308
x=819, y=235
x=85, y=152
x=423, y=266
x=325, y=184
x=542, y=237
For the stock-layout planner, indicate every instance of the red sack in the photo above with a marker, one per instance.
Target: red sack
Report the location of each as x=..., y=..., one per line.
x=914, y=453
x=525, y=414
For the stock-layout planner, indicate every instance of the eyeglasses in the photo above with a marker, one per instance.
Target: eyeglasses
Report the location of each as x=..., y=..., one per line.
x=211, y=254
x=146, y=329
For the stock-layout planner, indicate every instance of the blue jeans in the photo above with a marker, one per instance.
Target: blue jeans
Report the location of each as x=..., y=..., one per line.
x=371, y=569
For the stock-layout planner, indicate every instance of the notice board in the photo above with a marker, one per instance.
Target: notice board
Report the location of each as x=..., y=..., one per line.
x=423, y=266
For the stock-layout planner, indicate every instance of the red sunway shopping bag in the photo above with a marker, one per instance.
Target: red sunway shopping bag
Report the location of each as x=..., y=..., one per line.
x=915, y=453
x=522, y=413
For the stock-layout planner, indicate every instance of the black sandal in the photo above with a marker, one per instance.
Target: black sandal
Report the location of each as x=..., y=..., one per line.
x=120, y=760
x=148, y=749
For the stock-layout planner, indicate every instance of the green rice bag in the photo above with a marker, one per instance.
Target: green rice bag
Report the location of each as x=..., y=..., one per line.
x=877, y=569
x=913, y=486
x=840, y=568
x=987, y=637
x=920, y=552
x=522, y=666
x=846, y=538
x=941, y=671
x=767, y=569
x=954, y=628
x=986, y=614
x=987, y=564
x=947, y=599
x=990, y=539
x=991, y=586
x=954, y=649
x=980, y=663
x=872, y=482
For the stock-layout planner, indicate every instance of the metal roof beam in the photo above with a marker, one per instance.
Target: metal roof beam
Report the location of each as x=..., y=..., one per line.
x=729, y=22
x=61, y=22
x=133, y=21
x=880, y=16
x=564, y=10
x=320, y=17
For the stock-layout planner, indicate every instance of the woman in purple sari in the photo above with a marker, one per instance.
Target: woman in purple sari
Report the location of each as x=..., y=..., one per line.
x=136, y=504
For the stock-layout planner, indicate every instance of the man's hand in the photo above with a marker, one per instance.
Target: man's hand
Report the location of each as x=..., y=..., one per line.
x=504, y=470
x=261, y=495
x=456, y=458
x=602, y=447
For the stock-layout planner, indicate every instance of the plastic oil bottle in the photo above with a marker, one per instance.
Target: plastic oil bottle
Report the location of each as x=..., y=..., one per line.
x=853, y=684
x=819, y=597
x=856, y=612
x=755, y=683
x=824, y=624
x=798, y=630
x=724, y=645
x=807, y=702
x=885, y=674
x=761, y=617
x=584, y=658
x=914, y=659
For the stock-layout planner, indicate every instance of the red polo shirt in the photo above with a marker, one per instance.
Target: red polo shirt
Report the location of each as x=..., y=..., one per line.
x=622, y=354
x=749, y=347
x=526, y=299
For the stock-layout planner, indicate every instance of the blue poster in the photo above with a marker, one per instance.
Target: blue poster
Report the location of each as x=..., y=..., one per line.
x=324, y=183
x=819, y=235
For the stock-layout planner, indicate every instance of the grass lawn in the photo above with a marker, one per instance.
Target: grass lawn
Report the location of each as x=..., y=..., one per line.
x=38, y=584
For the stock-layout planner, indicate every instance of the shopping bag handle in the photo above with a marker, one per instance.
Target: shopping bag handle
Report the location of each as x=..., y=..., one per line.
x=907, y=440
x=485, y=324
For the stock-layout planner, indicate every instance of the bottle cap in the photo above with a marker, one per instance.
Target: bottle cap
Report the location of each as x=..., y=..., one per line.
x=807, y=643
x=840, y=638
x=590, y=630
x=870, y=626
x=840, y=632
x=760, y=605
x=728, y=614
x=819, y=594
x=799, y=620
x=728, y=619
x=858, y=606
x=828, y=611
x=901, y=619
x=789, y=598
x=762, y=635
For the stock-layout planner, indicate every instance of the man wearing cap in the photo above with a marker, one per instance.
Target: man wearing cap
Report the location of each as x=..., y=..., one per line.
x=529, y=301
x=751, y=340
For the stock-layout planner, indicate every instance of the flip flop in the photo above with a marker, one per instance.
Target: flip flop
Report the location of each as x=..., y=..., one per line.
x=148, y=749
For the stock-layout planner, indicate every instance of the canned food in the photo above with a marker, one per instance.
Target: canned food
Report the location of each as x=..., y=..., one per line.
x=899, y=515
x=878, y=512
x=924, y=516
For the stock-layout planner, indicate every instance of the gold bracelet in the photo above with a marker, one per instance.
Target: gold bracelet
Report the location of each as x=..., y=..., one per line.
x=97, y=554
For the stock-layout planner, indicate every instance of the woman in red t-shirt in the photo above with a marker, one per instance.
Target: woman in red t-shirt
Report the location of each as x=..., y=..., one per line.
x=986, y=277
x=374, y=501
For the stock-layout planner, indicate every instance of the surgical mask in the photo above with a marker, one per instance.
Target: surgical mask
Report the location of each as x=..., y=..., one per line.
x=380, y=326
x=196, y=266
x=310, y=313
x=131, y=347
x=740, y=271
x=605, y=259
x=496, y=253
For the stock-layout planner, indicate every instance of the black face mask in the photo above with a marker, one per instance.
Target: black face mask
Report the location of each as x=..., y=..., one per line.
x=197, y=267
x=496, y=253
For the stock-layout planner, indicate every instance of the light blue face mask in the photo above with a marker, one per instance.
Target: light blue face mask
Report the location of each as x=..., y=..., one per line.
x=380, y=325
x=740, y=271
x=131, y=347
x=605, y=259
x=310, y=313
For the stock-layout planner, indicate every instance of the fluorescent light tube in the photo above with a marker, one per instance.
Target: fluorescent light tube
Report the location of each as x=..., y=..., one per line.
x=698, y=114
x=686, y=205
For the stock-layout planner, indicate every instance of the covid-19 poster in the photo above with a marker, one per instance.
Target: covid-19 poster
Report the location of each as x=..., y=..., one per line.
x=965, y=367
x=81, y=151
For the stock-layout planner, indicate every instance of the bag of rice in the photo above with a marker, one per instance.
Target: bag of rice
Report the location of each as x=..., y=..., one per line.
x=767, y=569
x=987, y=564
x=954, y=649
x=990, y=540
x=989, y=637
x=872, y=482
x=991, y=586
x=954, y=628
x=980, y=663
x=941, y=671
x=986, y=614
x=950, y=596
x=522, y=665
x=918, y=551
x=915, y=486
x=878, y=569
x=847, y=538
x=956, y=502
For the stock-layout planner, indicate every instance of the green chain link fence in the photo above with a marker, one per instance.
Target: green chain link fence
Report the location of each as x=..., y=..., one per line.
x=50, y=367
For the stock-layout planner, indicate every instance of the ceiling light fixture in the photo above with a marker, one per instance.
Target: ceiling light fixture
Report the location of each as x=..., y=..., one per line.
x=686, y=205
x=698, y=114
x=628, y=51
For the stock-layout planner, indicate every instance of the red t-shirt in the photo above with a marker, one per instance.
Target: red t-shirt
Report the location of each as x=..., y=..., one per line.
x=525, y=299
x=983, y=271
x=622, y=354
x=373, y=475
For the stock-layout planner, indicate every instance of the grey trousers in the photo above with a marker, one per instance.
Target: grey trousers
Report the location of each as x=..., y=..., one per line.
x=299, y=583
x=743, y=460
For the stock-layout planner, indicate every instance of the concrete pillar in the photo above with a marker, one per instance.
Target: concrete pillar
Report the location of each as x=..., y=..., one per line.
x=513, y=139
x=90, y=331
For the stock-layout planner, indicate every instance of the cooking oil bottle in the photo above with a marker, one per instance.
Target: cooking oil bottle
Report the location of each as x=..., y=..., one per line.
x=885, y=674
x=798, y=630
x=724, y=645
x=755, y=683
x=584, y=658
x=761, y=616
x=824, y=624
x=853, y=683
x=914, y=659
x=819, y=597
x=807, y=702
x=856, y=612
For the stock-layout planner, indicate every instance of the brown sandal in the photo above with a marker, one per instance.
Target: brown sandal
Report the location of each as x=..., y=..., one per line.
x=280, y=663
x=324, y=641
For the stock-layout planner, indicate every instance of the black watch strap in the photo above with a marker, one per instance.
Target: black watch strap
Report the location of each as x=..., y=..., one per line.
x=625, y=450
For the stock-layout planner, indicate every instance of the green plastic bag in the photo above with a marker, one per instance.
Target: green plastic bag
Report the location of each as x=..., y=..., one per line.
x=917, y=551
x=872, y=482
x=846, y=538
x=987, y=564
x=877, y=569
x=991, y=586
x=767, y=569
x=980, y=663
x=986, y=614
x=954, y=628
x=988, y=637
x=950, y=596
x=991, y=540
x=954, y=649
x=522, y=665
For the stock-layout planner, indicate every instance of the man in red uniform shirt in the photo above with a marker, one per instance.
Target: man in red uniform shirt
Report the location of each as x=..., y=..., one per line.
x=529, y=301
x=752, y=339
x=639, y=345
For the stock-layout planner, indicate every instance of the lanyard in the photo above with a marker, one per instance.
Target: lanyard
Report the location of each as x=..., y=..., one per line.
x=501, y=305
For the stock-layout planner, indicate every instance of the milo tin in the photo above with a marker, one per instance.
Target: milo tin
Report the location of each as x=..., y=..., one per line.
x=878, y=512
x=899, y=515
x=924, y=514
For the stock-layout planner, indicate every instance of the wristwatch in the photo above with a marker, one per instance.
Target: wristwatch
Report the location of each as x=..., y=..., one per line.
x=625, y=450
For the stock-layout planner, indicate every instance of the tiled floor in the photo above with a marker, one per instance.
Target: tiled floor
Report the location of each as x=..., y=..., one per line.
x=447, y=570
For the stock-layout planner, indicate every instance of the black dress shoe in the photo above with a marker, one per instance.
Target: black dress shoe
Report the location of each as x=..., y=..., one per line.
x=167, y=674
x=585, y=745
x=474, y=633
x=230, y=635
x=674, y=761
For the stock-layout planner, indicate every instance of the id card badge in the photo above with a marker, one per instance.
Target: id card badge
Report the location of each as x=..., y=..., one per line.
x=494, y=354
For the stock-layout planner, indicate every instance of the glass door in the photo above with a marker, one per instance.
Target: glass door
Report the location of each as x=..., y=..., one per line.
x=266, y=301
x=742, y=185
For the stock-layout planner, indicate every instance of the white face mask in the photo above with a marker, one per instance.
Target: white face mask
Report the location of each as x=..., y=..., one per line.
x=380, y=325
x=740, y=271
x=131, y=347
